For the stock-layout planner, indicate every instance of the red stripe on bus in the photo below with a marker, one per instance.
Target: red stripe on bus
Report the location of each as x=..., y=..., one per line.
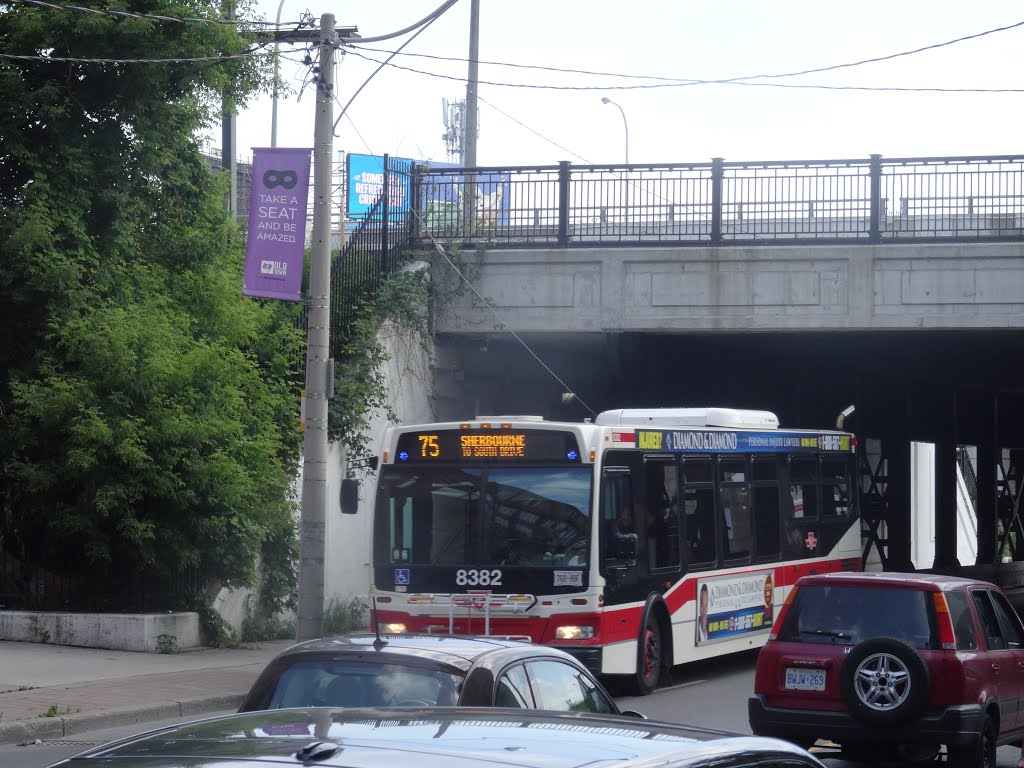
x=615, y=624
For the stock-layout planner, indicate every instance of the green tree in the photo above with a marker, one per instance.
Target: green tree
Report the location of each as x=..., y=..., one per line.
x=148, y=412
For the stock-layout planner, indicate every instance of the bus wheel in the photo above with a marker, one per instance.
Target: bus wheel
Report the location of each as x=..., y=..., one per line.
x=648, y=662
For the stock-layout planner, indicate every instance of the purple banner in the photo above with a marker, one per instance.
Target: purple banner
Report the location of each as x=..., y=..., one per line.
x=277, y=224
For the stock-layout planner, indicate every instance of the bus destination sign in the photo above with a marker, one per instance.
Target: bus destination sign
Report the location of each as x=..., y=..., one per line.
x=458, y=445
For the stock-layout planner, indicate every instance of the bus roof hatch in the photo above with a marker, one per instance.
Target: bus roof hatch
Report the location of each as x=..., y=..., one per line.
x=735, y=418
x=506, y=417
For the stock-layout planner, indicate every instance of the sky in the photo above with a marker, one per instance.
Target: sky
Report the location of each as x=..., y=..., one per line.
x=399, y=112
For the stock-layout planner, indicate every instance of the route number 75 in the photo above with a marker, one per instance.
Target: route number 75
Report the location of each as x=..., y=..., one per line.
x=429, y=446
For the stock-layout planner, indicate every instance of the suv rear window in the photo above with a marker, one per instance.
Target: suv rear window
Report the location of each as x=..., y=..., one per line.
x=847, y=615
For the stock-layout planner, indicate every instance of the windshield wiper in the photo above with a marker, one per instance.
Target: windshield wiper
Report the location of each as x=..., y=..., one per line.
x=834, y=634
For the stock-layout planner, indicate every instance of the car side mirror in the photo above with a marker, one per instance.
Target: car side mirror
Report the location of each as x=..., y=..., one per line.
x=633, y=713
x=349, y=496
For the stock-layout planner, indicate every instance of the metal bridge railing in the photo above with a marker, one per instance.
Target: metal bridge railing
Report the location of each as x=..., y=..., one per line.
x=866, y=200
x=375, y=249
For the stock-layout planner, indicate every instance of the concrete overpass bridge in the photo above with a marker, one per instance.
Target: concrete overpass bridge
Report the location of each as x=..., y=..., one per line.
x=895, y=285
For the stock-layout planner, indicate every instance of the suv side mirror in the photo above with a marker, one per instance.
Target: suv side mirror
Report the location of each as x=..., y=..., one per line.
x=349, y=496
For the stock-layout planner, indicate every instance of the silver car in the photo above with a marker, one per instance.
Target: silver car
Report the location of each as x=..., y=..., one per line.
x=441, y=737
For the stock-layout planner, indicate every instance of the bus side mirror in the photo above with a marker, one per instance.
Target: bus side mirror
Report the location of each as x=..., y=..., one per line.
x=349, y=496
x=626, y=548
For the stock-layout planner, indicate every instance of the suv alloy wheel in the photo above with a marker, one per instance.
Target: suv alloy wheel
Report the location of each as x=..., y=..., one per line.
x=884, y=682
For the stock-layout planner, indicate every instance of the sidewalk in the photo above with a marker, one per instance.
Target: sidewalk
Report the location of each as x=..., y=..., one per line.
x=52, y=691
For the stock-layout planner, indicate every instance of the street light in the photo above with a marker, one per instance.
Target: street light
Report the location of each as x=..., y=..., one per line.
x=273, y=112
x=625, y=125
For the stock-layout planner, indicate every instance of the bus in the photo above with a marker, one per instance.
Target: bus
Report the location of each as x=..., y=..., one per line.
x=638, y=540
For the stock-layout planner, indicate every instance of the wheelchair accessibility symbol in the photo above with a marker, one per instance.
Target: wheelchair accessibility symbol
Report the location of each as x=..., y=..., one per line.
x=401, y=576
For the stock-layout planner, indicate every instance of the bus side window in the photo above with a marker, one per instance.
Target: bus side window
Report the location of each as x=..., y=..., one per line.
x=803, y=479
x=700, y=525
x=835, y=488
x=736, y=521
x=767, y=522
x=662, y=523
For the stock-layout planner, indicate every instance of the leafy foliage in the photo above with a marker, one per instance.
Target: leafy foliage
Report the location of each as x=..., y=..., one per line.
x=213, y=629
x=343, y=616
x=166, y=643
x=360, y=387
x=148, y=428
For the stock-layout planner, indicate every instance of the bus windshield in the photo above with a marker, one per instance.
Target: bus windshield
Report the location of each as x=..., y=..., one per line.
x=495, y=516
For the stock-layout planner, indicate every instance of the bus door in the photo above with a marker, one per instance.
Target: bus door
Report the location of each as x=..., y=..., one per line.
x=617, y=537
x=661, y=544
x=642, y=528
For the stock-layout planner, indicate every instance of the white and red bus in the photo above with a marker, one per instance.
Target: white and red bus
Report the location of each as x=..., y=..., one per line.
x=643, y=539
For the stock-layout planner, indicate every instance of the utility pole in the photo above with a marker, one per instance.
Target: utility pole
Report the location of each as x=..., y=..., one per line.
x=228, y=138
x=319, y=366
x=472, y=84
x=277, y=68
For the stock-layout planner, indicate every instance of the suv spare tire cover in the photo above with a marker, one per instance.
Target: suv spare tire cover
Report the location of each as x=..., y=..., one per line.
x=884, y=681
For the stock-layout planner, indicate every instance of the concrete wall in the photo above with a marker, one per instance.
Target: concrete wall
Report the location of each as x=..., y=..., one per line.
x=409, y=378
x=234, y=605
x=119, y=632
x=840, y=287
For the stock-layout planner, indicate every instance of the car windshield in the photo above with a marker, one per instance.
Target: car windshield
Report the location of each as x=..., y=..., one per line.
x=525, y=516
x=847, y=615
x=362, y=684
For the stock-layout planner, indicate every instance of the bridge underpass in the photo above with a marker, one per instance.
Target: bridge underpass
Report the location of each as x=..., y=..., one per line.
x=950, y=388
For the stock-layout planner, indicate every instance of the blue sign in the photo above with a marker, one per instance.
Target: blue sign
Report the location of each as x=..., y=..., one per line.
x=401, y=576
x=365, y=175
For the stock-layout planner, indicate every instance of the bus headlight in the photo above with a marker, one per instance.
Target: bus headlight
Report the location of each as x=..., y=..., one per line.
x=392, y=629
x=574, y=633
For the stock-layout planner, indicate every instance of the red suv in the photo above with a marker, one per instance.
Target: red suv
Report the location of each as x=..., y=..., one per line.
x=894, y=665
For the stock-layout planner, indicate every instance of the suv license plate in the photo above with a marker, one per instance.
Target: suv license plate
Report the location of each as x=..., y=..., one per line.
x=805, y=679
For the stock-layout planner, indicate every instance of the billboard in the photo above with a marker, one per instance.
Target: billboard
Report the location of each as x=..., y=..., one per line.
x=365, y=174
x=737, y=604
x=442, y=199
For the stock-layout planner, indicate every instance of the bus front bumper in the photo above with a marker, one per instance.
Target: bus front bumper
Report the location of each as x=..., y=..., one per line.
x=588, y=656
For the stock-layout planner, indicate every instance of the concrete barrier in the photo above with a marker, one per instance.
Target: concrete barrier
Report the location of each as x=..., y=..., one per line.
x=145, y=632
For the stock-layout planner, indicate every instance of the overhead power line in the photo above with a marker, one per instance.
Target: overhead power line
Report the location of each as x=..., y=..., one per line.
x=425, y=21
x=683, y=83
x=423, y=25
x=534, y=132
x=150, y=16
x=662, y=81
x=500, y=321
x=888, y=57
x=78, y=60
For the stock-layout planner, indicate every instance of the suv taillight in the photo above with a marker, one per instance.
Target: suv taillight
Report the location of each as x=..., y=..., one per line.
x=774, y=634
x=947, y=640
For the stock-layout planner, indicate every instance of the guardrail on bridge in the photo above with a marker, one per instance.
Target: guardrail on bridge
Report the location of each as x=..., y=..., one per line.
x=870, y=200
